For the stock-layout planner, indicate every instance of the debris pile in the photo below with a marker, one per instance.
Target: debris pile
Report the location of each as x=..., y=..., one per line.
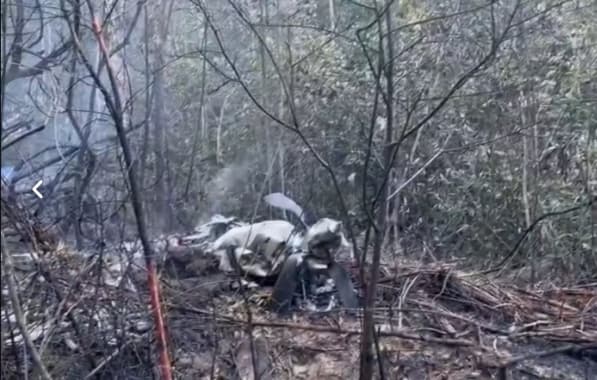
x=432, y=322
x=88, y=315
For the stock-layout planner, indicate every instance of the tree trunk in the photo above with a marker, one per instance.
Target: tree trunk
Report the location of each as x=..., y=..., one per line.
x=202, y=127
x=163, y=210
x=148, y=30
x=115, y=107
x=332, y=15
x=367, y=357
x=264, y=119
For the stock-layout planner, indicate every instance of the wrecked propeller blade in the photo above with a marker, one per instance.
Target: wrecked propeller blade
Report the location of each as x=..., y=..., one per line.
x=281, y=201
x=346, y=291
x=286, y=284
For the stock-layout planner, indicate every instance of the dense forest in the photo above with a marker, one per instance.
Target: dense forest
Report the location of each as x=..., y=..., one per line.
x=454, y=141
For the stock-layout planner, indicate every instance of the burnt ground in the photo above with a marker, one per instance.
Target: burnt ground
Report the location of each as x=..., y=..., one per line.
x=433, y=322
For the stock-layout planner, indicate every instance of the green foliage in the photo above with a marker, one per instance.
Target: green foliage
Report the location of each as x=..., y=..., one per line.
x=521, y=130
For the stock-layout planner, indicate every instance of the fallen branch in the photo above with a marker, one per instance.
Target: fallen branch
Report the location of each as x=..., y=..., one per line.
x=567, y=349
x=332, y=330
x=106, y=360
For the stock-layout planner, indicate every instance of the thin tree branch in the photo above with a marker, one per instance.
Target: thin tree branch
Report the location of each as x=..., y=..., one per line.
x=530, y=228
x=23, y=136
x=18, y=312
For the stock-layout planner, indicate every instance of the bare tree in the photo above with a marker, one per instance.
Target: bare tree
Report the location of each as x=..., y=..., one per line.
x=113, y=103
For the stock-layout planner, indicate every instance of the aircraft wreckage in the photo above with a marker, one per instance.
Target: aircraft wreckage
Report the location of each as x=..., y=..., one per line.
x=294, y=257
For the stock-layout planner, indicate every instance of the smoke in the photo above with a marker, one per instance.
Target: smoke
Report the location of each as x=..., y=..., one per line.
x=225, y=190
